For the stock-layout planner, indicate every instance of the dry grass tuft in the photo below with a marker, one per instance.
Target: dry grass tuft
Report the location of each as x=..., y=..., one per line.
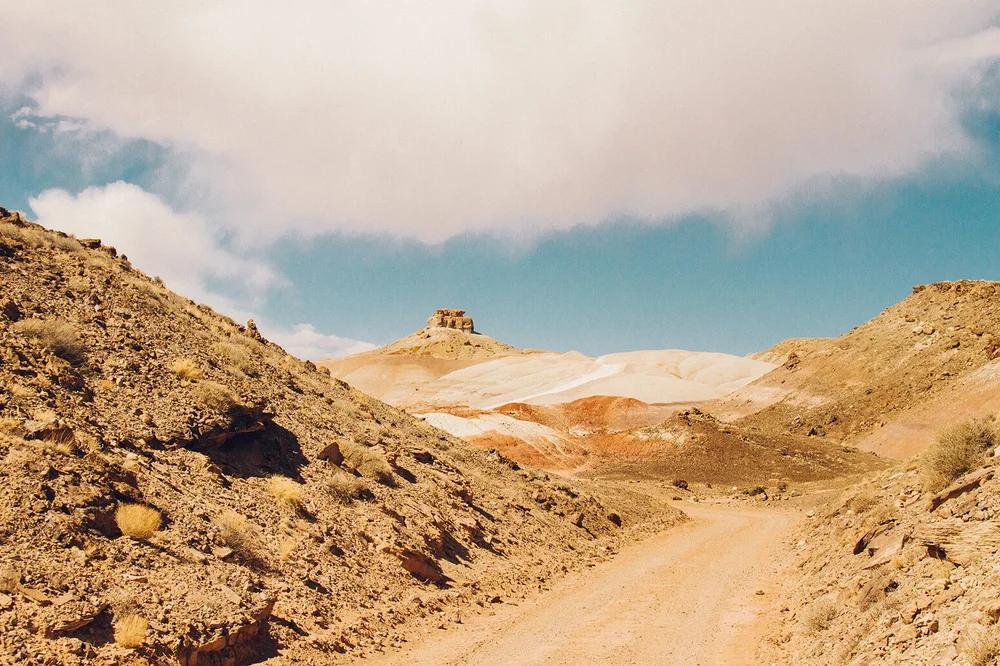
x=238, y=533
x=982, y=645
x=236, y=356
x=130, y=631
x=370, y=464
x=187, y=369
x=287, y=549
x=285, y=491
x=214, y=395
x=958, y=449
x=58, y=337
x=347, y=488
x=137, y=520
x=821, y=615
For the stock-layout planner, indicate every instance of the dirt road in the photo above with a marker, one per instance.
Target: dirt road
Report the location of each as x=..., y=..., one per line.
x=687, y=596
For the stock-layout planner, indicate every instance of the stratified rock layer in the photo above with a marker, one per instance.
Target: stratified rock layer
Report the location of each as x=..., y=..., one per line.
x=449, y=318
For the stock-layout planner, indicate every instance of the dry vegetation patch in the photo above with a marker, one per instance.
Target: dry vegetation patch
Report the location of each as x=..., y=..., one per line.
x=368, y=462
x=130, y=631
x=286, y=492
x=59, y=337
x=236, y=356
x=137, y=520
x=213, y=395
x=237, y=533
x=187, y=369
x=957, y=449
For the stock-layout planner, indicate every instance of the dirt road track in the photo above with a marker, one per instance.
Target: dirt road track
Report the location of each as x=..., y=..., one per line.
x=687, y=596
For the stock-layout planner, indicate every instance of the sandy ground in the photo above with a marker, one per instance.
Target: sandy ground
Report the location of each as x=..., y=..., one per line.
x=688, y=596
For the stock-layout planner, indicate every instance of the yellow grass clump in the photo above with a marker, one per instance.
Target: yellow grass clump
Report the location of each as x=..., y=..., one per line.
x=236, y=356
x=957, y=449
x=285, y=491
x=59, y=337
x=137, y=520
x=369, y=463
x=214, y=395
x=130, y=631
x=237, y=533
x=185, y=368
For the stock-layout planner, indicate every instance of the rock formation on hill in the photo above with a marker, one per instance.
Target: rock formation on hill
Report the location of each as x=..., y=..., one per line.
x=176, y=489
x=448, y=318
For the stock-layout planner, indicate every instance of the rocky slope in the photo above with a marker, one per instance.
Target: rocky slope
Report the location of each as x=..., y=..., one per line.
x=890, y=383
x=891, y=574
x=287, y=516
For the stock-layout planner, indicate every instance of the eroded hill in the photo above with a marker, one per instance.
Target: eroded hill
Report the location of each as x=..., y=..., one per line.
x=889, y=384
x=286, y=516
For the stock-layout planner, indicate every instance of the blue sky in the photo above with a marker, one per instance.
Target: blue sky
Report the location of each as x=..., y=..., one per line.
x=623, y=188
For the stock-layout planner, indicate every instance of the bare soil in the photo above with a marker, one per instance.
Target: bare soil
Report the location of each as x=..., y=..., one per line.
x=685, y=597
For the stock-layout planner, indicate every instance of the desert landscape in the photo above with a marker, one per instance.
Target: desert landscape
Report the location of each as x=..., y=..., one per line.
x=177, y=489
x=500, y=333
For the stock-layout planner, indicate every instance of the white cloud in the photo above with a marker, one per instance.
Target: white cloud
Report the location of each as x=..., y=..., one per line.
x=306, y=342
x=181, y=248
x=429, y=119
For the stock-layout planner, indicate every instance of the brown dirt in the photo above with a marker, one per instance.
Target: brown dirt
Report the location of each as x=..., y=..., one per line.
x=409, y=523
x=687, y=597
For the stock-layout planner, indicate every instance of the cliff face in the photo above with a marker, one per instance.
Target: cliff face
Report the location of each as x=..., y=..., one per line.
x=449, y=318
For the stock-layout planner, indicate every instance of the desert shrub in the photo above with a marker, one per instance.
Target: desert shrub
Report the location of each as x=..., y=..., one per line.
x=236, y=356
x=347, y=488
x=130, y=631
x=58, y=337
x=957, y=449
x=137, y=520
x=982, y=645
x=238, y=533
x=214, y=395
x=862, y=501
x=285, y=491
x=820, y=615
x=185, y=368
x=370, y=464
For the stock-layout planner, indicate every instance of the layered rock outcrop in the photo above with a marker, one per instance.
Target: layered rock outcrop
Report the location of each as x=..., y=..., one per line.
x=449, y=318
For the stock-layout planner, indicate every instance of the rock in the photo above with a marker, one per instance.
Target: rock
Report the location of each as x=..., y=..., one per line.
x=11, y=311
x=332, y=454
x=961, y=486
x=576, y=519
x=615, y=518
x=421, y=566
x=679, y=483
x=450, y=318
x=9, y=580
x=6, y=601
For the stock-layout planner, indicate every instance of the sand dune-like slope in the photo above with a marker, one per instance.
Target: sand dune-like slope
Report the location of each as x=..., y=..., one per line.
x=889, y=384
x=670, y=376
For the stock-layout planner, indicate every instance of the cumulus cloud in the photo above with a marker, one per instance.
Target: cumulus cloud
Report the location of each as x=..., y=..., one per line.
x=305, y=341
x=178, y=247
x=429, y=119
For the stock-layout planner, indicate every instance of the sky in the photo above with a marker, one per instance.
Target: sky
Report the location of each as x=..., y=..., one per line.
x=712, y=175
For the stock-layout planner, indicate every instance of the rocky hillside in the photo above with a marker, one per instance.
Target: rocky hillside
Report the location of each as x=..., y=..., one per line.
x=889, y=384
x=892, y=574
x=176, y=489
